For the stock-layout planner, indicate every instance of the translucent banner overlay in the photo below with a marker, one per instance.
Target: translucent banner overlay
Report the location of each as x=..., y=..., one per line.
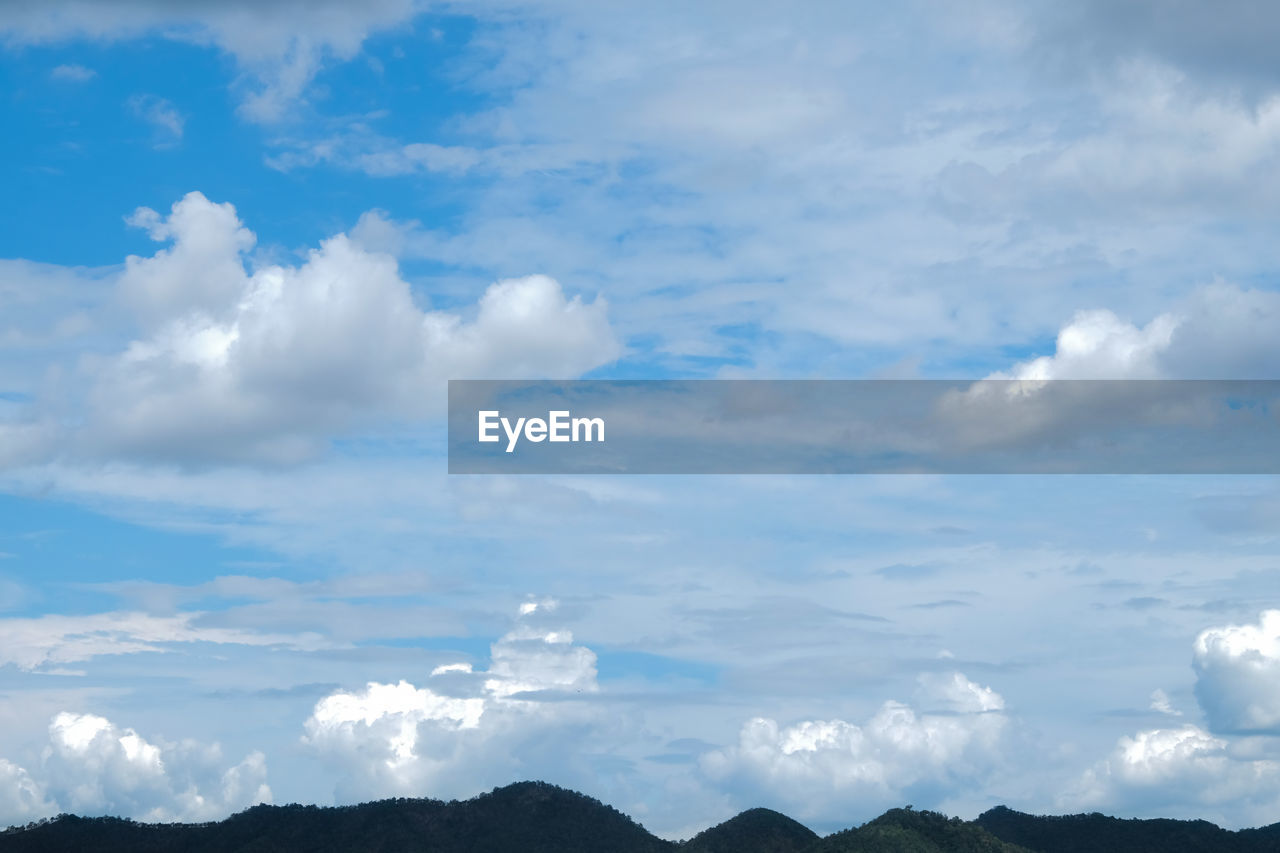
x=986, y=426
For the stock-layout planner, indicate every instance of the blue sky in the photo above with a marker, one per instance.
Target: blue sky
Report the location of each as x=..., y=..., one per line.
x=248, y=242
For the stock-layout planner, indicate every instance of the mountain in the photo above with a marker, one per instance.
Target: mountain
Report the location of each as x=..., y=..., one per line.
x=534, y=817
x=910, y=831
x=754, y=831
x=1096, y=833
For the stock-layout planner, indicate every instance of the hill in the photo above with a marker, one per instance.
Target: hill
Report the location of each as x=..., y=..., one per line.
x=534, y=817
x=1096, y=833
x=910, y=831
x=528, y=816
x=754, y=831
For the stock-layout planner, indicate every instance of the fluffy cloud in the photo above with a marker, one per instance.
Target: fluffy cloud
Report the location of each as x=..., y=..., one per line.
x=263, y=365
x=465, y=729
x=1099, y=345
x=1238, y=675
x=1220, y=332
x=1188, y=767
x=92, y=766
x=1163, y=768
x=815, y=764
x=21, y=797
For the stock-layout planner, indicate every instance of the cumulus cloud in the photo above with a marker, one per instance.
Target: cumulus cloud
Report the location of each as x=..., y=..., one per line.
x=1191, y=768
x=464, y=729
x=92, y=766
x=814, y=765
x=1165, y=768
x=21, y=798
x=1221, y=331
x=264, y=365
x=1238, y=675
x=278, y=45
x=1099, y=345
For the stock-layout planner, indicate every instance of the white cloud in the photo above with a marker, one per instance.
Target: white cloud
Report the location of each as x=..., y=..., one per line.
x=91, y=766
x=73, y=73
x=22, y=799
x=814, y=765
x=1220, y=331
x=1186, y=767
x=465, y=729
x=1099, y=345
x=264, y=365
x=1238, y=675
x=1194, y=770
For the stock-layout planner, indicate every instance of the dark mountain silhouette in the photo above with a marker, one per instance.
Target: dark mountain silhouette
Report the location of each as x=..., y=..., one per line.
x=534, y=817
x=757, y=830
x=910, y=831
x=528, y=816
x=1096, y=833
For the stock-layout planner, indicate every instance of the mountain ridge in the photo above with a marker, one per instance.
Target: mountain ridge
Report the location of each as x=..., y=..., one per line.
x=537, y=817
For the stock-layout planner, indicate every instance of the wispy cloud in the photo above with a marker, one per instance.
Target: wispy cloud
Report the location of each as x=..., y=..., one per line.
x=73, y=73
x=161, y=115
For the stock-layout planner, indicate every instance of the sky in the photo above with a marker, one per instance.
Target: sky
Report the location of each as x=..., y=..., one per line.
x=246, y=242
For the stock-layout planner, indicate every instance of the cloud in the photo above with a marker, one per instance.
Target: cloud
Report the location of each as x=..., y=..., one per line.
x=265, y=365
x=49, y=642
x=1189, y=768
x=22, y=799
x=1226, y=45
x=73, y=73
x=279, y=46
x=161, y=115
x=1238, y=675
x=1159, y=148
x=1185, y=767
x=360, y=148
x=1160, y=702
x=815, y=766
x=465, y=729
x=1220, y=331
x=1099, y=345
x=91, y=766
